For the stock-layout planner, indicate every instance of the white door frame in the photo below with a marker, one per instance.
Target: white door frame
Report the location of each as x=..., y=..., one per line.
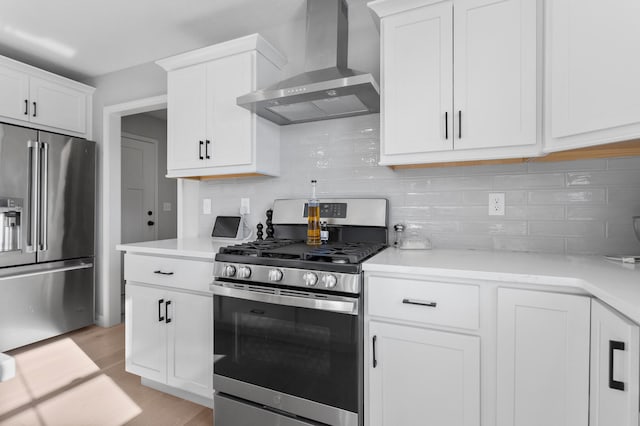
x=153, y=142
x=108, y=309
x=108, y=259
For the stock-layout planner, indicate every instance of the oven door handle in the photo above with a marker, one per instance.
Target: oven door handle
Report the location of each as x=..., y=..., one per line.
x=337, y=304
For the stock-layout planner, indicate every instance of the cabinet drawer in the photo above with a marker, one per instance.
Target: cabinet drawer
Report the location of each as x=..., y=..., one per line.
x=167, y=271
x=428, y=302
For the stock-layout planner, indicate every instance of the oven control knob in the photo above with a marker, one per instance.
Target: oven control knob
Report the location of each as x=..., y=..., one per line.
x=329, y=281
x=244, y=272
x=275, y=275
x=310, y=279
x=229, y=271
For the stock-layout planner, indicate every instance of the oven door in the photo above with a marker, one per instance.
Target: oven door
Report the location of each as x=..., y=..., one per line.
x=296, y=352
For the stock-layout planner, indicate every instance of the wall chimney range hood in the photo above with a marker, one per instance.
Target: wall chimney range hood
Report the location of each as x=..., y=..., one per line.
x=328, y=89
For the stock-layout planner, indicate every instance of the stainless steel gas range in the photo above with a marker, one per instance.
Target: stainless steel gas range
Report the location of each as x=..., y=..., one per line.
x=288, y=329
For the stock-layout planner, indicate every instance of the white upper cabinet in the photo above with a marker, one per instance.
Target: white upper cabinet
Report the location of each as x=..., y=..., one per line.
x=35, y=98
x=460, y=80
x=592, y=89
x=416, y=69
x=208, y=133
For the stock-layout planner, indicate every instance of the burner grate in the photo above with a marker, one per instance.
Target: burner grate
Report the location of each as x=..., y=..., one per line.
x=343, y=252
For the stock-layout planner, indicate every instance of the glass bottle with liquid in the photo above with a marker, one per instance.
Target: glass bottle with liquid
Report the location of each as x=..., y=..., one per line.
x=313, y=215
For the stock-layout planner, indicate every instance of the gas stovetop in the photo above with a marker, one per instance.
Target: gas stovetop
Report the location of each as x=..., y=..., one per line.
x=335, y=256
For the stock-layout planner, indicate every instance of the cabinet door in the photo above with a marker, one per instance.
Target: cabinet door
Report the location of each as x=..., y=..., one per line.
x=615, y=363
x=543, y=359
x=145, y=332
x=495, y=73
x=56, y=105
x=592, y=71
x=14, y=92
x=190, y=343
x=422, y=377
x=186, y=131
x=230, y=127
x=417, y=87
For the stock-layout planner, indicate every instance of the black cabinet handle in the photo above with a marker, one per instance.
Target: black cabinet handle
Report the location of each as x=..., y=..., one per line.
x=26, y=107
x=160, y=317
x=427, y=303
x=614, y=345
x=459, y=124
x=206, y=149
x=162, y=273
x=200, y=151
x=375, y=361
x=446, y=125
x=34, y=109
x=166, y=311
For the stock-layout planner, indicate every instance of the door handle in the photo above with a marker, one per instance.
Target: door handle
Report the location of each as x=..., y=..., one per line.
x=375, y=361
x=206, y=149
x=166, y=311
x=614, y=384
x=34, y=109
x=200, y=151
x=44, y=197
x=26, y=107
x=160, y=317
x=446, y=125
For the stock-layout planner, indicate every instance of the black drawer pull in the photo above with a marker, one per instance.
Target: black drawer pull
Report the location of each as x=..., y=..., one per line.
x=613, y=346
x=160, y=317
x=200, y=151
x=166, y=311
x=26, y=107
x=426, y=303
x=34, y=109
x=162, y=273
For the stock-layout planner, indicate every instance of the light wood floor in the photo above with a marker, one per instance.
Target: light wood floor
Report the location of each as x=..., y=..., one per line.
x=79, y=379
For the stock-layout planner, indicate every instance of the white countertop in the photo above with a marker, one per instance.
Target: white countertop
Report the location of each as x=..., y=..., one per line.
x=204, y=248
x=614, y=283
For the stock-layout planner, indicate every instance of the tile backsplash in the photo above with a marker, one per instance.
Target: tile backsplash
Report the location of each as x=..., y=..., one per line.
x=576, y=207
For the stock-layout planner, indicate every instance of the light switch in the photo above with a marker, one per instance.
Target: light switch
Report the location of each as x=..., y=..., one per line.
x=206, y=206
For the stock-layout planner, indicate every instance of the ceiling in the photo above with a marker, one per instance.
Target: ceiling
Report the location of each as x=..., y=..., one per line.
x=83, y=39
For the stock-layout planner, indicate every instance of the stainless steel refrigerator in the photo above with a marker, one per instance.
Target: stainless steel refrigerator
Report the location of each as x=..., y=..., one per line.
x=47, y=227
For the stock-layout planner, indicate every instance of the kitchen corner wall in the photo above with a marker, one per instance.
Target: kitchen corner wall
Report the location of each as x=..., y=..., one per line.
x=577, y=207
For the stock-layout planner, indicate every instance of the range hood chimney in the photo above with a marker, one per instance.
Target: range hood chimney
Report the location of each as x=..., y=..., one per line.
x=327, y=89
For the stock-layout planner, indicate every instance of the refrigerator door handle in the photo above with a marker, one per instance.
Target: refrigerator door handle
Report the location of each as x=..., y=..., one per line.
x=34, y=198
x=45, y=268
x=44, y=191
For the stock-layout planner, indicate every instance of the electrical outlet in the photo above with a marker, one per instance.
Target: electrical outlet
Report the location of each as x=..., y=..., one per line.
x=496, y=204
x=244, y=206
x=206, y=206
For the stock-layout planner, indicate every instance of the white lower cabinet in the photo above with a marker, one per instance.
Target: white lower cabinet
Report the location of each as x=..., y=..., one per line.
x=415, y=373
x=615, y=363
x=169, y=330
x=422, y=377
x=542, y=358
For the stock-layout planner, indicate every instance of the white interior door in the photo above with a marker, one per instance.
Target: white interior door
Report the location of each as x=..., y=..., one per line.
x=139, y=189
